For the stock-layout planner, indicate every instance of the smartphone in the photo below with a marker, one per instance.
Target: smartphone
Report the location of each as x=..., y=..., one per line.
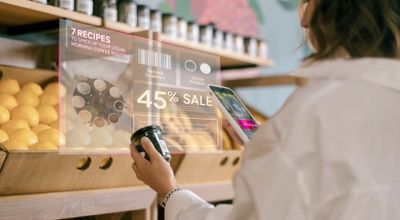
x=234, y=111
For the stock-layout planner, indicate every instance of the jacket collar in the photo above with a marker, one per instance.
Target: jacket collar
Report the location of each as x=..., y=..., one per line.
x=385, y=72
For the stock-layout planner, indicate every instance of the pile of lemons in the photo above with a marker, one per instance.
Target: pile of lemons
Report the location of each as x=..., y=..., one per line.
x=29, y=116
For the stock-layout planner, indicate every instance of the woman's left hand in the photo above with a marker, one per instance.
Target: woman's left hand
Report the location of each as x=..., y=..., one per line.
x=156, y=173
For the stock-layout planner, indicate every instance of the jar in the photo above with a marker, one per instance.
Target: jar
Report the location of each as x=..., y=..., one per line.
x=262, y=49
x=228, y=41
x=40, y=1
x=127, y=12
x=182, y=28
x=84, y=6
x=238, y=45
x=155, y=21
x=106, y=9
x=218, y=37
x=250, y=46
x=169, y=25
x=193, y=32
x=206, y=33
x=143, y=17
x=154, y=133
x=66, y=4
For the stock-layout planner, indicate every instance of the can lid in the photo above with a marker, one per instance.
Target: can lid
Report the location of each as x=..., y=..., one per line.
x=139, y=132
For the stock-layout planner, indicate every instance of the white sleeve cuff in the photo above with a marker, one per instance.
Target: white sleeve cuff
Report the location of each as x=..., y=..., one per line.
x=184, y=204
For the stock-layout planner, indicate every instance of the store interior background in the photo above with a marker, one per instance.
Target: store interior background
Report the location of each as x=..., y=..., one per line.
x=278, y=24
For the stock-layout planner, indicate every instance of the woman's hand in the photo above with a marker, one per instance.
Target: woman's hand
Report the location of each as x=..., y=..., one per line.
x=156, y=173
x=232, y=132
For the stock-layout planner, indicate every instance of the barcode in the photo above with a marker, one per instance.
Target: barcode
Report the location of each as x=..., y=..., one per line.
x=151, y=58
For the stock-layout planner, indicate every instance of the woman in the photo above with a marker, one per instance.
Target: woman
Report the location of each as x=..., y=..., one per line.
x=333, y=150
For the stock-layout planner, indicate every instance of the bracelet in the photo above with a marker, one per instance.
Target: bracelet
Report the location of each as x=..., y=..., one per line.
x=164, y=202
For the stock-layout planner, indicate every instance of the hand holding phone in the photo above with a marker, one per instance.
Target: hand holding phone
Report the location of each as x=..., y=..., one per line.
x=234, y=110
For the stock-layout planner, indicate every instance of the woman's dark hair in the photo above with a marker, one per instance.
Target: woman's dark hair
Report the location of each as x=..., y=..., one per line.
x=364, y=28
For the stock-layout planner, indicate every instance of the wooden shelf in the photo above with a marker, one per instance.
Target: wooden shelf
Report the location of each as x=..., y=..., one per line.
x=76, y=203
x=228, y=59
x=23, y=12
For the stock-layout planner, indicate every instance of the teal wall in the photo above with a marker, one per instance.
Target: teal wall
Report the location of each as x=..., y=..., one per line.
x=280, y=28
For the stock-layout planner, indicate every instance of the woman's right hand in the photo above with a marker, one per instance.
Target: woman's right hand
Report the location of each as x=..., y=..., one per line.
x=232, y=132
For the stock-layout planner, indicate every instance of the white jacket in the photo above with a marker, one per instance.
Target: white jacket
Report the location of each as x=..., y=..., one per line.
x=332, y=152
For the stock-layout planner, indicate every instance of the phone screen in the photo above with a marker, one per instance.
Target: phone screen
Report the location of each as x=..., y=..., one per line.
x=236, y=109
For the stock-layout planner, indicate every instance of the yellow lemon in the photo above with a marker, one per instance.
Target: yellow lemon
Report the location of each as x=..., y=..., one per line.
x=27, y=113
x=52, y=88
x=47, y=114
x=25, y=135
x=39, y=128
x=52, y=135
x=9, y=86
x=54, y=124
x=12, y=125
x=34, y=87
x=15, y=145
x=4, y=115
x=8, y=101
x=79, y=136
x=45, y=145
x=48, y=99
x=3, y=136
x=101, y=136
x=27, y=97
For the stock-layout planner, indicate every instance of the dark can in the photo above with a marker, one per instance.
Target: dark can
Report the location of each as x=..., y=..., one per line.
x=84, y=6
x=182, y=28
x=193, y=32
x=65, y=4
x=218, y=38
x=143, y=16
x=155, y=21
x=169, y=25
x=154, y=133
x=238, y=44
x=106, y=9
x=250, y=46
x=206, y=34
x=127, y=10
x=228, y=41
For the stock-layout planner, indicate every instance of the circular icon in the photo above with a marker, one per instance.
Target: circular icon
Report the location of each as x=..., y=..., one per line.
x=190, y=65
x=78, y=102
x=205, y=68
x=99, y=84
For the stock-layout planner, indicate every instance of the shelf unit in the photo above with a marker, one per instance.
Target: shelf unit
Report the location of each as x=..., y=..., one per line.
x=17, y=13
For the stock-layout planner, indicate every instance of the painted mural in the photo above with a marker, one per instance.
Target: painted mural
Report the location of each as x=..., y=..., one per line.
x=237, y=16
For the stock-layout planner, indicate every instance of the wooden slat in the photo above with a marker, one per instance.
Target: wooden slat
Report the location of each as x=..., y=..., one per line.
x=22, y=12
x=212, y=191
x=76, y=203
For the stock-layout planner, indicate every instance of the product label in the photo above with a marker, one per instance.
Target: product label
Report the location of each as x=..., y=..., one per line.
x=163, y=146
x=85, y=6
x=170, y=30
x=132, y=19
x=155, y=26
x=67, y=4
x=110, y=14
x=144, y=23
